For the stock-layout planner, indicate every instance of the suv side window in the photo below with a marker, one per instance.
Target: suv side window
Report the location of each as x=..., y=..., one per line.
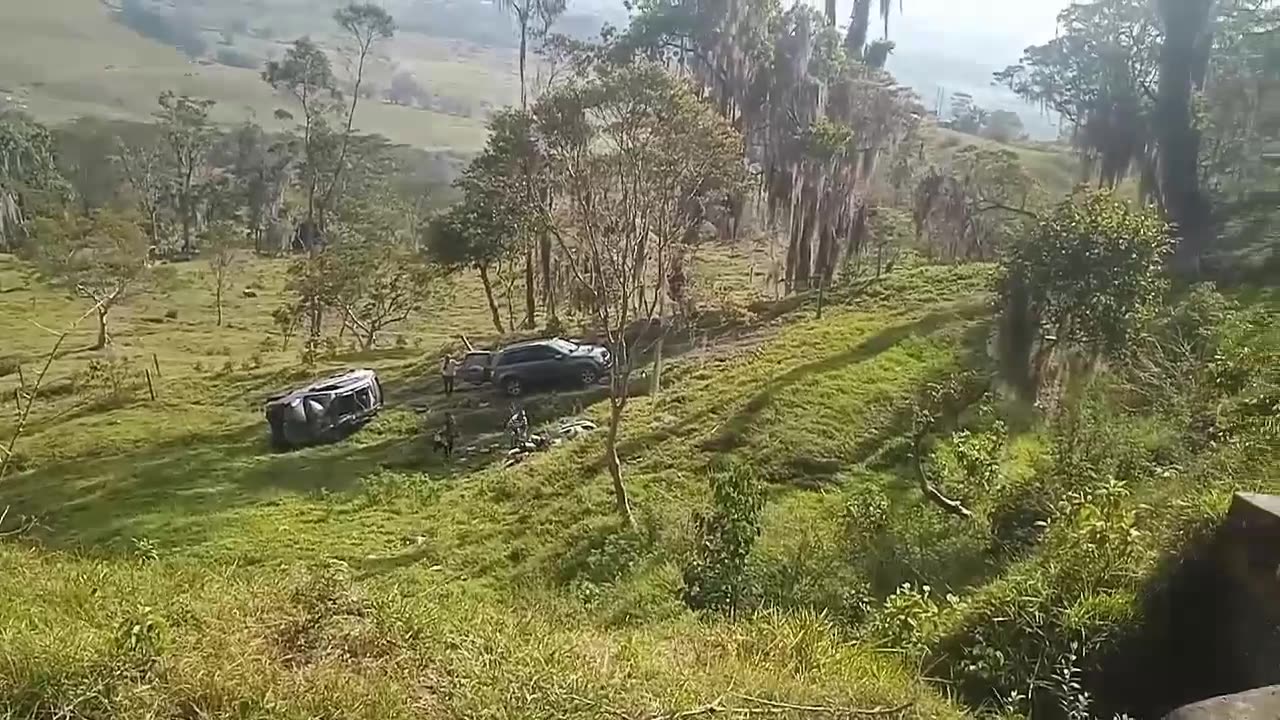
x=516, y=356
x=535, y=354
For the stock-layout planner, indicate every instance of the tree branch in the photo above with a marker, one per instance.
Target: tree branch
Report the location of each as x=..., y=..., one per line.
x=7, y=461
x=989, y=205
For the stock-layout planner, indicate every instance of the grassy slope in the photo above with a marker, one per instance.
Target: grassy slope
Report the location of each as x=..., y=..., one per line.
x=68, y=58
x=513, y=567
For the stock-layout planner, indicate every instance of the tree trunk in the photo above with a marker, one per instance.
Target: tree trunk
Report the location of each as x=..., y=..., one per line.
x=548, y=291
x=524, y=46
x=217, y=301
x=530, y=304
x=103, y=339
x=656, y=386
x=1186, y=41
x=488, y=294
x=621, y=500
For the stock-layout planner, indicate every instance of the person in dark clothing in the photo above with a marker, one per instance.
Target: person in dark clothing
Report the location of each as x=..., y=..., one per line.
x=446, y=436
x=518, y=426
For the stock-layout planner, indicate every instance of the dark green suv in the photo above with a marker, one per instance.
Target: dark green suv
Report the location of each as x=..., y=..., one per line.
x=516, y=368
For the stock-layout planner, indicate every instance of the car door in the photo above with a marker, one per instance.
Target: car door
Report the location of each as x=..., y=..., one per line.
x=543, y=363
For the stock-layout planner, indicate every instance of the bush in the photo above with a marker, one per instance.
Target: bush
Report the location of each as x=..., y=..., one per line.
x=716, y=578
x=111, y=381
x=1088, y=278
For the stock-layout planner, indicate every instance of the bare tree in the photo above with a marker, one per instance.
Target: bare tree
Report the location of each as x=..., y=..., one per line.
x=222, y=248
x=637, y=156
x=28, y=398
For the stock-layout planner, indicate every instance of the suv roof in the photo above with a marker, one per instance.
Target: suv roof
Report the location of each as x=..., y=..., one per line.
x=343, y=382
x=531, y=343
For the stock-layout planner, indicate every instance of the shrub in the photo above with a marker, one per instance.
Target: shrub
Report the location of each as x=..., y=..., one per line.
x=111, y=381
x=1088, y=277
x=716, y=578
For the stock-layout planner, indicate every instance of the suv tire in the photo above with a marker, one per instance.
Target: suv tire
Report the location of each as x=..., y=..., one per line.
x=587, y=376
x=512, y=386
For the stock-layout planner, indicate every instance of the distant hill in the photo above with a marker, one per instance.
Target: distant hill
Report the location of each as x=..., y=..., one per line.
x=452, y=62
x=62, y=59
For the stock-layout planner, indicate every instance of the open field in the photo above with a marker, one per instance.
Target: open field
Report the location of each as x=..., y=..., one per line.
x=175, y=553
x=462, y=589
x=62, y=59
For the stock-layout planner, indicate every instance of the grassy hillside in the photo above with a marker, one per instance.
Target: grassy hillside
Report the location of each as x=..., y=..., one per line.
x=178, y=567
x=463, y=589
x=62, y=59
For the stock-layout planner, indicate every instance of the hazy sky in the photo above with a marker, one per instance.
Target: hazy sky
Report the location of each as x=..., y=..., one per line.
x=989, y=31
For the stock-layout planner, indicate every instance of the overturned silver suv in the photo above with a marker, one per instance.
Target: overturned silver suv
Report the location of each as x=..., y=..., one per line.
x=325, y=411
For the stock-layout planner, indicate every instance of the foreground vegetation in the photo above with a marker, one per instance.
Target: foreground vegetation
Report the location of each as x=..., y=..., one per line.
x=901, y=425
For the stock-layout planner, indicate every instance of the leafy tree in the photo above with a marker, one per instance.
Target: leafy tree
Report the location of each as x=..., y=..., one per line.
x=502, y=210
x=142, y=166
x=406, y=90
x=306, y=75
x=474, y=235
x=262, y=168
x=87, y=148
x=376, y=278
x=1188, y=36
x=28, y=175
x=1086, y=278
x=538, y=15
x=223, y=246
x=188, y=135
x=382, y=282
x=636, y=159
x=101, y=258
x=1243, y=72
x=1003, y=126
x=1100, y=74
x=816, y=110
x=969, y=208
x=365, y=25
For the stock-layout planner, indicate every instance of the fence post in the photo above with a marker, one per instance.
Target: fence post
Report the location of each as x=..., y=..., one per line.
x=150, y=388
x=156, y=360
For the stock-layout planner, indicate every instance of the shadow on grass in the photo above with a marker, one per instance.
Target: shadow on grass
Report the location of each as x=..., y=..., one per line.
x=731, y=434
x=181, y=491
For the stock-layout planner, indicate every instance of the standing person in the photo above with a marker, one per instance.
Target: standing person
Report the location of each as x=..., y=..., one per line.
x=450, y=434
x=518, y=426
x=448, y=371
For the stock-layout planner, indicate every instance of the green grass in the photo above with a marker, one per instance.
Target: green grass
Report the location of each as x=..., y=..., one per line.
x=476, y=590
x=180, y=567
x=67, y=58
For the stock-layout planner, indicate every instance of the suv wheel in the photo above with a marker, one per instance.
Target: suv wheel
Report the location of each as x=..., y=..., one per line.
x=587, y=376
x=512, y=386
